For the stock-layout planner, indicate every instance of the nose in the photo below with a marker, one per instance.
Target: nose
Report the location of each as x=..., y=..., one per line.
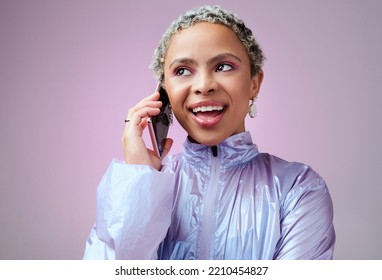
x=204, y=83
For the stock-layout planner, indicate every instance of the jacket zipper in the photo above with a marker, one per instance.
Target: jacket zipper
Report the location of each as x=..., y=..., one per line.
x=207, y=234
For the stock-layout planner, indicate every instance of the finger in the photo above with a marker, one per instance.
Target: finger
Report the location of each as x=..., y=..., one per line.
x=151, y=100
x=167, y=146
x=152, y=97
x=142, y=105
x=140, y=117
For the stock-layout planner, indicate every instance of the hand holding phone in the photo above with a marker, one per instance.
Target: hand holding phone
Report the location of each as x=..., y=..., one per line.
x=159, y=124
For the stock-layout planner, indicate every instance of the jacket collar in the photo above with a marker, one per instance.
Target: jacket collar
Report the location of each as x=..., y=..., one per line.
x=233, y=151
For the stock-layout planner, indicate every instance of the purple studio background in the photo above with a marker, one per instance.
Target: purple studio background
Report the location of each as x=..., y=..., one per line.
x=69, y=71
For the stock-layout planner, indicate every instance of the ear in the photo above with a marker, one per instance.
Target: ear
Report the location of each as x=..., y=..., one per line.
x=256, y=83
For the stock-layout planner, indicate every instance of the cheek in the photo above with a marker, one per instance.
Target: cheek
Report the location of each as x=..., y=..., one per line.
x=241, y=92
x=241, y=109
x=175, y=105
x=241, y=103
x=177, y=100
x=176, y=92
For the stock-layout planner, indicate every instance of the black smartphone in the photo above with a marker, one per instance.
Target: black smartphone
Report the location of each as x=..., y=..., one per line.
x=159, y=124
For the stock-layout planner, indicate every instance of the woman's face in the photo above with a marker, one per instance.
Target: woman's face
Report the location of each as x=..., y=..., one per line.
x=208, y=80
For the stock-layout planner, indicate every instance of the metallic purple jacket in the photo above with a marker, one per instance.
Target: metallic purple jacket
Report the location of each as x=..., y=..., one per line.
x=227, y=202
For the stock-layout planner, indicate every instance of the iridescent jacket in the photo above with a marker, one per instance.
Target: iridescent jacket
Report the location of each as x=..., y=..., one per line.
x=226, y=202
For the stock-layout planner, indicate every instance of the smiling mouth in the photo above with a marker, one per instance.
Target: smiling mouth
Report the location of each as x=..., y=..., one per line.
x=208, y=116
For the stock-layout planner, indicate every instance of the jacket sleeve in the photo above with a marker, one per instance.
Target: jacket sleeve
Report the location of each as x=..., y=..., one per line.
x=134, y=204
x=307, y=230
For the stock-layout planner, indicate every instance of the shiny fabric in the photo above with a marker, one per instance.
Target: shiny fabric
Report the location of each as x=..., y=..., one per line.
x=239, y=204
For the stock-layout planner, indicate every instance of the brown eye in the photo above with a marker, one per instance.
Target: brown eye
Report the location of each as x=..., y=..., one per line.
x=182, y=72
x=223, y=67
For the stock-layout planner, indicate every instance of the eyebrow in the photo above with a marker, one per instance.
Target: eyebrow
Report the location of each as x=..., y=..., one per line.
x=219, y=57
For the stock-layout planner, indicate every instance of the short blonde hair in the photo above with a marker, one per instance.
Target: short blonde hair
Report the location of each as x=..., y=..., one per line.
x=213, y=14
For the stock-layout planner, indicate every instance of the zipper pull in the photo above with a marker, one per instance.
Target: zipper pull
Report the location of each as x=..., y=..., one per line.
x=214, y=150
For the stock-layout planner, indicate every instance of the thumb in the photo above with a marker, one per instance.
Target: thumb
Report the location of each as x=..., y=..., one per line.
x=167, y=147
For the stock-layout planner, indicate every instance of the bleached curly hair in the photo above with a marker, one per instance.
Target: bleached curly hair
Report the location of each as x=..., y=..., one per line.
x=212, y=14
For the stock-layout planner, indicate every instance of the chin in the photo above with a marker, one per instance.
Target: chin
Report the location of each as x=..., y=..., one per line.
x=207, y=141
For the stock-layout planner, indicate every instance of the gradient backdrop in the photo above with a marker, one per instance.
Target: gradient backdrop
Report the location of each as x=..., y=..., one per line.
x=69, y=71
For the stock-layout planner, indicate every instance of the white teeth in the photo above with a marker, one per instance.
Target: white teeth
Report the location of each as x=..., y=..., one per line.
x=207, y=109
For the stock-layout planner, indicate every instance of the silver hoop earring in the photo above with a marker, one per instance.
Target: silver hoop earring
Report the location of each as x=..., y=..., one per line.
x=252, y=111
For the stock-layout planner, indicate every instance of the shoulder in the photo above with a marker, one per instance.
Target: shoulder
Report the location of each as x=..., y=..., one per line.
x=290, y=177
x=285, y=168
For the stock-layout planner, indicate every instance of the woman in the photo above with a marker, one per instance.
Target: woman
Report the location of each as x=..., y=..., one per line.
x=220, y=198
